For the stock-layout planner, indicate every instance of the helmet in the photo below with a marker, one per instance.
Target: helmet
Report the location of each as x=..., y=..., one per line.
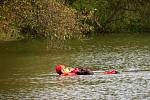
x=59, y=68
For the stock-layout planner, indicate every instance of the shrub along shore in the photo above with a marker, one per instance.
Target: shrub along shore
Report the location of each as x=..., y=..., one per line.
x=65, y=19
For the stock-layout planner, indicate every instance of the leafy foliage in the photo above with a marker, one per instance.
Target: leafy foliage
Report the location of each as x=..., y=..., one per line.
x=62, y=19
x=39, y=18
x=115, y=15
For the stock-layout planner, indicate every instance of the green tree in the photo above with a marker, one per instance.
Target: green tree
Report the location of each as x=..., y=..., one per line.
x=39, y=18
x=115, y=15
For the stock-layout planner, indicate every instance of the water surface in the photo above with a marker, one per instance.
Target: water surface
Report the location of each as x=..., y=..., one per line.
x=27, y=68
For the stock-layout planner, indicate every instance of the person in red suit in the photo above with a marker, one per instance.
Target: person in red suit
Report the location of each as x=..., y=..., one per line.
x=67, y=71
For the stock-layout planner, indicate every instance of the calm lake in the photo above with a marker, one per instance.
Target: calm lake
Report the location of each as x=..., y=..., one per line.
x=27, y=68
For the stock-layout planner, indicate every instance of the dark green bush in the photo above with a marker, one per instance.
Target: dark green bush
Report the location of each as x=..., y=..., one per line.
x=39, y=18
x=115, y=15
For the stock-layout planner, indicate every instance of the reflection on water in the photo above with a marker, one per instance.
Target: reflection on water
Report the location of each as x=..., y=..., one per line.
x=27, y=69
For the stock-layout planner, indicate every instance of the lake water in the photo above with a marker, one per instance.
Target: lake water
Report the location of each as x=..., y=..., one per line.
x=27, y=69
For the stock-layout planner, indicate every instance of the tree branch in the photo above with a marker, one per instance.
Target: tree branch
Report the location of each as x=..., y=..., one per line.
x=128, y=9
x=110, y=21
